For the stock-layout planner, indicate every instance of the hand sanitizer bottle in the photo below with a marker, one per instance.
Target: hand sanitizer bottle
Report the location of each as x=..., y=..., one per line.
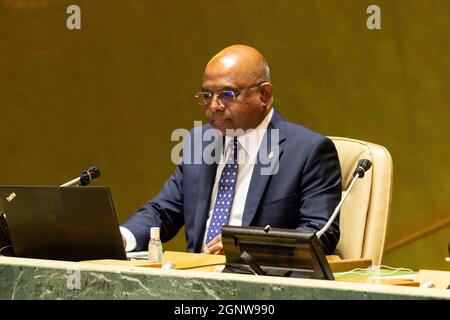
x=155, y=246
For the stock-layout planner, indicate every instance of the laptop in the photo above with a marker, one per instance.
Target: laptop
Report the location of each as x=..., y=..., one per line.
x=62, y=223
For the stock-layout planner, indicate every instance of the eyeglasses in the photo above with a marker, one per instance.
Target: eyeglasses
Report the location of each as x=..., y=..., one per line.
x=204, y=98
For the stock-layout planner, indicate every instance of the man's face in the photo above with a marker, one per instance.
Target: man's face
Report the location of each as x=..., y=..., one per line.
x=246, y=111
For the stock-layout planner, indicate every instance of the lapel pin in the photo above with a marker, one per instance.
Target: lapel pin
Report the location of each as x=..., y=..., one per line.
x=270, y=155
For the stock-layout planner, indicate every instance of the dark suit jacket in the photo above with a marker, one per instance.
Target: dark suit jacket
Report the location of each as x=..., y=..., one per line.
x=301, y=195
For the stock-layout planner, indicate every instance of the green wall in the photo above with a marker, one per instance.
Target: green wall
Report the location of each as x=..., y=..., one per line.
x=111, y=93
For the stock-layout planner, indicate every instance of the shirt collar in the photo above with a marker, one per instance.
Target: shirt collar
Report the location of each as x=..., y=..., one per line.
x=250, y=141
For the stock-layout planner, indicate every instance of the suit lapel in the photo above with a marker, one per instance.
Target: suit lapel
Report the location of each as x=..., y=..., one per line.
x=267, y=162
x=205, y=186
x=206, y=179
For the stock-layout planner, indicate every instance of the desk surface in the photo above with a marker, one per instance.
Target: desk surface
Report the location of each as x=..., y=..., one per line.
x=22, y=278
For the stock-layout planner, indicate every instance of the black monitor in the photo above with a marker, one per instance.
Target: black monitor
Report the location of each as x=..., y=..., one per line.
x=62, y=223
x=274, y=252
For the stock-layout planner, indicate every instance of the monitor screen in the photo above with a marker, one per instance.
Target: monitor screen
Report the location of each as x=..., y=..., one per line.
x=274, y=252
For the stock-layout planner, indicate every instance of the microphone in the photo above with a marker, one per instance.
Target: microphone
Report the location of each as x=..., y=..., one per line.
x=84, y=179
x=361, y=168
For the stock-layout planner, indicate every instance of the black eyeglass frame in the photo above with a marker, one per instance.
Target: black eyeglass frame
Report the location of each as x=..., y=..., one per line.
x=222, y=95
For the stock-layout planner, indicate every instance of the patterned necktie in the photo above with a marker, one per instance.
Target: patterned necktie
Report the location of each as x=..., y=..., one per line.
x=225, y=195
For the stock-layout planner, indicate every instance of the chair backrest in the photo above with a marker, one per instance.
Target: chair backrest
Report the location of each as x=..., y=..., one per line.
x=364, y=214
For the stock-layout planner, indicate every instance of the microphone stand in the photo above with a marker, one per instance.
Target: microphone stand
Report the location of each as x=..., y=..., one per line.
x=71, y=183
x=359, y=173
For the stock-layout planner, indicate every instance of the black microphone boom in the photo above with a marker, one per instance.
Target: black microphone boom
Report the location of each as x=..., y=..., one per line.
x=84, y=179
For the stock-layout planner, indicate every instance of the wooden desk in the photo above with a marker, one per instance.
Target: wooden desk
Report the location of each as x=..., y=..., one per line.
x=215, y=263
x=179, y=260
x=210, y=263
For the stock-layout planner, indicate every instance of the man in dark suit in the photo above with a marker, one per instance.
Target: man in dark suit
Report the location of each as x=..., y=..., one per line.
x=266, y=171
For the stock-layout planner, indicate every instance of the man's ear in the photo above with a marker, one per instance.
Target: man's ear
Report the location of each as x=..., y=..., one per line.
x=266, y=92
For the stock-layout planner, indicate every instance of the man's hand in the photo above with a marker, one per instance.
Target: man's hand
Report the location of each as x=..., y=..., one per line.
x=124, y=242
x=215, y=246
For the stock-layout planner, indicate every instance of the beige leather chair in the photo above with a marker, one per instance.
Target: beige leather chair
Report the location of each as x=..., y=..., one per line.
x=364, y=214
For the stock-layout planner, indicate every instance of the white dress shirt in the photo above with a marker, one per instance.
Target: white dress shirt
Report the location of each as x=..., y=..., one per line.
x=248, y=147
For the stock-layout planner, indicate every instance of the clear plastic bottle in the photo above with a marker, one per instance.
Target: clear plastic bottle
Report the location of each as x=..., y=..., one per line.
x=155, y=246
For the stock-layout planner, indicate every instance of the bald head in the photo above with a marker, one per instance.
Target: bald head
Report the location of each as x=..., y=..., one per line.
x=243, y=71
x=244, y=60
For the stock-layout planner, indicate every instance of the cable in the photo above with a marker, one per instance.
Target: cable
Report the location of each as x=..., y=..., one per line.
x=373, y=268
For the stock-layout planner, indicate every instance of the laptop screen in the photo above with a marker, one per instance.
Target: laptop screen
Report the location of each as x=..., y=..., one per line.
x=62, y=223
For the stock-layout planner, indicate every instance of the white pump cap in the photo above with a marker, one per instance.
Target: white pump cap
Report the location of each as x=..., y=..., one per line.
x=154, y=233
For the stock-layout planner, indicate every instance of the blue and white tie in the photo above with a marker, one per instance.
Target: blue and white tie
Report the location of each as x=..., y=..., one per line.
x=225, y=195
